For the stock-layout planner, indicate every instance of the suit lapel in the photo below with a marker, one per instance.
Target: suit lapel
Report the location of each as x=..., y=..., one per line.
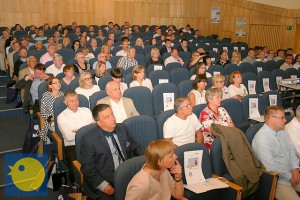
x=122, y=141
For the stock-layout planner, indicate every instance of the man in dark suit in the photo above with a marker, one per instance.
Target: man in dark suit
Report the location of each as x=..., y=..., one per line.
x=184, y=46
x=101, y=152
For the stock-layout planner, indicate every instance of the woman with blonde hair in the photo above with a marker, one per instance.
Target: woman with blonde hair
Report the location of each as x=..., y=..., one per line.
x=236, y=58
x=100, y=71
x=139, y=42
x=154, y=180
x=218, y=81
x=213, y=113
x=237, y=90
x=86, y=86
x=138, y=76
x=155, y=59
x=106, y=50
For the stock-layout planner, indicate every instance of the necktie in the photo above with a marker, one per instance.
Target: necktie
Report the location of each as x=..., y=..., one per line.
x=120, y=155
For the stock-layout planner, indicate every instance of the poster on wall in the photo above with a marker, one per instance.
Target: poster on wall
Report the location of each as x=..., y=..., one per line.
x=215, y=15
x=240, y=27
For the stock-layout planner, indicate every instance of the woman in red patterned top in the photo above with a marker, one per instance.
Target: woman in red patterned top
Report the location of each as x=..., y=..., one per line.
x=213, y=113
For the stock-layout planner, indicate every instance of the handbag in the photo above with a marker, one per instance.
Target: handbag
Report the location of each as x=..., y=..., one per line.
x=32, y=139
x=56, y=176
x=70, y=193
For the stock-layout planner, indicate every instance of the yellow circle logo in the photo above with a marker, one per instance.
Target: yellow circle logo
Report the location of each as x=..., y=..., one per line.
x=27, y=174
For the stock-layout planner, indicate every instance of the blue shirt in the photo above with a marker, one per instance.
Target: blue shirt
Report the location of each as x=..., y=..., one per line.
x=275, y=153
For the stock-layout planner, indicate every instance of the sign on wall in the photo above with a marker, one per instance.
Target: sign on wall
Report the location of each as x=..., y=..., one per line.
x=215, y=15
x=240, y=27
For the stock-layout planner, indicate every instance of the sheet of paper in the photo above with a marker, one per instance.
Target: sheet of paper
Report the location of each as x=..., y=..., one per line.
x=157, y=67
x=192, y=167
x=163, y=81
x=215, y=72
x=294, y=76
x=225, y=48
x=278, y=79
x=251, y=86
x=266, y=84
x=206, y=185
x=253, y=108
x=213, y=59
x=168, y=101
x=236, y=48
x=273, y=99
x=259, y=69
x=243, y=48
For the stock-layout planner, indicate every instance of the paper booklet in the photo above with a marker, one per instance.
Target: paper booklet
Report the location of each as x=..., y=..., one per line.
x=168, y=101
x=195, y=179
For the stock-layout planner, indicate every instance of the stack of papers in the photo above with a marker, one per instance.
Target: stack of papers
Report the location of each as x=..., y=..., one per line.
x=206, y=185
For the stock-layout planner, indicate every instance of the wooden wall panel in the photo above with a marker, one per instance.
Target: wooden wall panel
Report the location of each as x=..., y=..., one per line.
x=177, y=12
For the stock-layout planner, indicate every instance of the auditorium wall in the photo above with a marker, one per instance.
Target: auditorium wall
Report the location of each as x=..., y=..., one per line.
x=266, y=25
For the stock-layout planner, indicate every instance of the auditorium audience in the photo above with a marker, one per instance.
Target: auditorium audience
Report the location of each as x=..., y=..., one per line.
x=86, y=86
x=183, y=127
x=103, y=149
x=155, y=58
x=292, y=130
x=274, y=151
x=154, y=180
x=213, y=113
x=250, y=57
x=47, y=101
x=200, y=68
x=117, y=76
x=197, y=95
x=288, y=60
x=122, y=107
x=218, y=81
x=237, y=90
x=102, y=57
x=138, y=78
x=69, y=122
x=57, y=66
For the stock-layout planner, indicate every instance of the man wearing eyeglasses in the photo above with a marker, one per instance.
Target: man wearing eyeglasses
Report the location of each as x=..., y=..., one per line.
x=183, y=127
x=276, y=153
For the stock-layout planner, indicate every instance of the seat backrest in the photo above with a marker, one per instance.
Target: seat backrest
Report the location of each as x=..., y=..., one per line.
x=229, y=68
x=74, y=83
x=157, y=75
x=245, y=102
x=261, y=84
x=252, y=130
x=185, y=56
x=148, y=48
x=198, y=109
x=292, y=72
x=114, y=61
x=178, y=75
x=161, y=119
x=158, y=96
x=267, y=100
x=116, y=49
x=140, y=58
x=172, y=66
x=185, y=87
x=249, y=76
x=271, y=65
x=67, y=54
x=41, y=90
x=124, y=173
x=39, y=54
x=279, y=74
x=142, y=99
x=259, y=66
x=103, y=81
x=151, y=67
x=234, y=108
x=23, y=66
x=139, y=50
x=142, y=128
x=205, y=163
x=214, y=69
x=95, y=97
x=247, y=67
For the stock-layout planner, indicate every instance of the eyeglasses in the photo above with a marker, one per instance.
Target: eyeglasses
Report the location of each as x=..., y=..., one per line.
x=187, y=106
x=283, y=117
x=220, y=81
x=90, y=78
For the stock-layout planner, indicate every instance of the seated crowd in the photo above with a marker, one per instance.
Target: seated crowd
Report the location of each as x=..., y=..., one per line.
x=100, y=161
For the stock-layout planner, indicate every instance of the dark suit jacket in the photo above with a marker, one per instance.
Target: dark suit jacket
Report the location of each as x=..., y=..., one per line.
x=180, y=49
x=96, y=159
x=163, y=51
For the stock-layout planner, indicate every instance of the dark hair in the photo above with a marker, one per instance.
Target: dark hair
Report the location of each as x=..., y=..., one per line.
x=74, y=44
x=152, y=41
x=198, y=79
x=68, y=67
x=182, y=40
x=97, y=109
x=296, y=57
x=250, y=49
x=40, y=66
x=116, y=73
x=204, y=59
x=167, y=40
x=288, y=55
x=279, y=51
x=222, y=51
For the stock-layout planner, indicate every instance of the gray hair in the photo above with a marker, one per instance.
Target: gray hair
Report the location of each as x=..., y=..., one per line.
x=210, y=93
x=178, y=103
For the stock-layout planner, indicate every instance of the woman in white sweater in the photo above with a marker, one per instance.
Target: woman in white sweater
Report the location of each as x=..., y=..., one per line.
x=138, y=76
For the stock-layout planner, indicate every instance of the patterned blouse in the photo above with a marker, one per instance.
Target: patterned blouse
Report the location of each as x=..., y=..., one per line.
x=47, y=111
x=207, y=117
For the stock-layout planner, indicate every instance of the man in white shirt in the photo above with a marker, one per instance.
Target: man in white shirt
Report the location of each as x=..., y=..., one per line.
x=174, y=57
x=124, y=50
x=122, y=107
x=102, y=58
x=292, y=130
x=297, y=64
x=288, y=60
x=183, y=127
x=69, y=121
x=57, y=66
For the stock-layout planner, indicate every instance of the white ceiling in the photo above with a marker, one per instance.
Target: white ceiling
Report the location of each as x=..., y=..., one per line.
x=289, y=4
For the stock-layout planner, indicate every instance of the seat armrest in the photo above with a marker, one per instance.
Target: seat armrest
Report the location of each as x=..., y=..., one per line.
x=77, y=166
x=231, y=185
x=264, y=181
x=59, y=145
x=42, y=121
